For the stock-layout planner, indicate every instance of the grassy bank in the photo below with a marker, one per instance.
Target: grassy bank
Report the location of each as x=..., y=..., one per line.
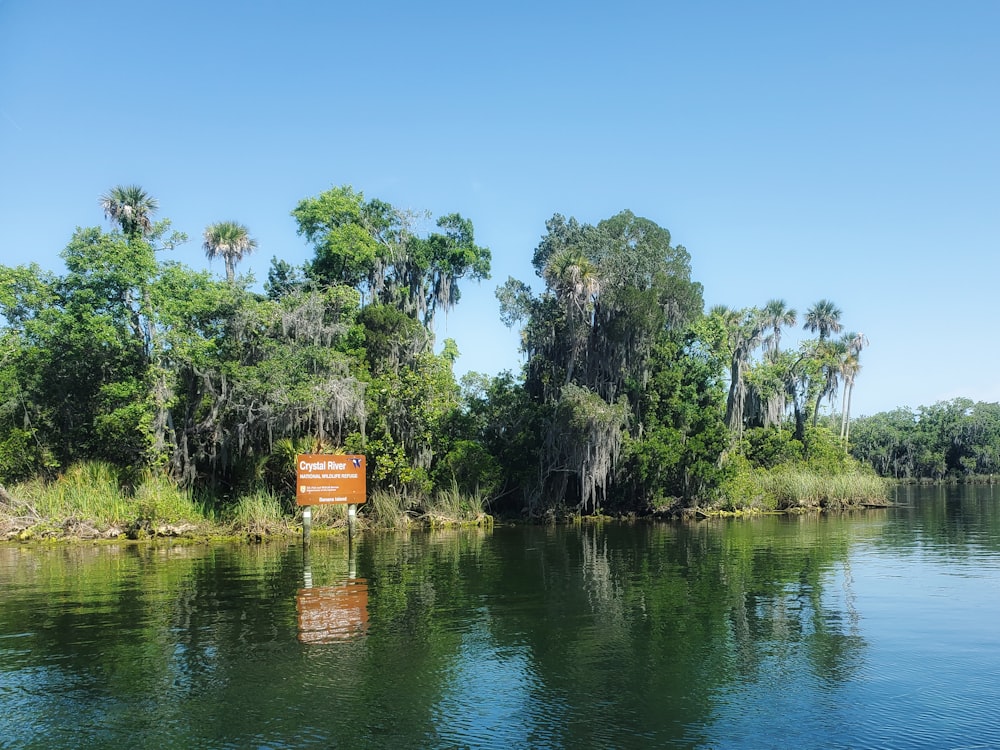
x=790, y=488
x=90, y=501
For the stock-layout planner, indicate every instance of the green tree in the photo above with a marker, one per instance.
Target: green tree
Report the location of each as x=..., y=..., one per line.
x=80, y=375
x=613, y=292
x=776, y=314
x=354, y=239
x=831, y=356
x=282, y=279
x=131, y=209
x=744, y=332
x=823, y=317
x=574, y=280
x=231, y=241
x=374, y=247
x=849, y=369
x=675, y=457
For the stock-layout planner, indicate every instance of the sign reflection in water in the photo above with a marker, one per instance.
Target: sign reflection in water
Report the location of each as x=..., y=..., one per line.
x=332, y=613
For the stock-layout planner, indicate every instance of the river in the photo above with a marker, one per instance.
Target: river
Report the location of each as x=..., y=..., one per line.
x=874, y=629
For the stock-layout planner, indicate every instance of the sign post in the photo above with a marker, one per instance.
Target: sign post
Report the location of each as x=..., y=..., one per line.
x=325, y=479
x=306, y=523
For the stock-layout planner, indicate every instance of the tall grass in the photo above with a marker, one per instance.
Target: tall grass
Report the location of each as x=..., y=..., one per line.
x=331, y=515
x=389, y=509
x=452, y=506
x=807, y=489
x=91, y=497
x=787, y=488
x=159, y=499
x=88, y=491
x=258, y=514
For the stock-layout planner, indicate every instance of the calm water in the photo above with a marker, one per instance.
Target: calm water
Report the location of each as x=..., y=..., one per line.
x=871, y=630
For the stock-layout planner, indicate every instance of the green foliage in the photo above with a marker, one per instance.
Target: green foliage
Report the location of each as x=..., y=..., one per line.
x=161, y=371
x=131, y=208
x=744, y=487
x=675, y=457
x=231, y=241
x=770, y=447
x=451, y=505
x=500, y=417
x=804, y=488
x=615, y=292
x=282, y=279
x=797, y=486
x=470, y=468
x=94, y=492
x=158, y=499
x=824, y=452
x=951, y=439
x=349, y=235
x=374, y=247
x=392, y=339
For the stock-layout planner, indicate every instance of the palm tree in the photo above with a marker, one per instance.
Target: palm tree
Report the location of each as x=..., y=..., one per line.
x=232, y=241
x=831, y=356
x=854, y=342
x=824, y=317
x=777, y=315
x=131, y=208
x=744, y=329
x=574, y=279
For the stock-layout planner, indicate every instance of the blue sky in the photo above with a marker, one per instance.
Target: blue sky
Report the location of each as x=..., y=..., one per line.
x=845, y=150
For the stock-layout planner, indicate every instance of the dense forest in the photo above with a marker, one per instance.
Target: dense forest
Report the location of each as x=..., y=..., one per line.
x=955, y=439
x=632, y=397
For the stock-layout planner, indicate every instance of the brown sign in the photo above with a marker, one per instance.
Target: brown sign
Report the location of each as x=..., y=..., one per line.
x=323, y=478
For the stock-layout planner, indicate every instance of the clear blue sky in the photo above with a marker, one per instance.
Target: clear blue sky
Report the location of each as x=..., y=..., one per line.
x=800, y=150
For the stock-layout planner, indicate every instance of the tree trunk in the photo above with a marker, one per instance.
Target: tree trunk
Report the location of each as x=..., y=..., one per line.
x=847, y=415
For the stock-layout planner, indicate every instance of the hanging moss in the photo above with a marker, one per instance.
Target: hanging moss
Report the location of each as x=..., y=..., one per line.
x=585, y=440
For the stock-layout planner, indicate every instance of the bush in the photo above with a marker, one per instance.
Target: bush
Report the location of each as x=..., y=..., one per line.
x=743, y=487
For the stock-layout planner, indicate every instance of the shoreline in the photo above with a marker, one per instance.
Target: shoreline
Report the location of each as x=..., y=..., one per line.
x=75, y=531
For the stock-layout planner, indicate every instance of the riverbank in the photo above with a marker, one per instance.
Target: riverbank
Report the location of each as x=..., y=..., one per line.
x=89, y=502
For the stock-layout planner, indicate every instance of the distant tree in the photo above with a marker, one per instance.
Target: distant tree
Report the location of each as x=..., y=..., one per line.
x=614, y=292
x=850, y=367
x=282, y=279
x=231, y=241
x=823, y=317
x=831, y=356
x=776, y=314
x=131, y=208
x=574, y=280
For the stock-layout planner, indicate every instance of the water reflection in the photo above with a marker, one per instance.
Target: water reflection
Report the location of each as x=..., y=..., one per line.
x=958, y=522
x=819, y=631
x=333, y=612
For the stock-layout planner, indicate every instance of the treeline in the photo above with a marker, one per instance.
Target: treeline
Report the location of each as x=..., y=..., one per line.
x=955, y=439
x=631, y=398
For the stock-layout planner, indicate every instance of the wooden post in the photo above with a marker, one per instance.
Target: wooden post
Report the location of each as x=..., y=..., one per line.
x=306, y=523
